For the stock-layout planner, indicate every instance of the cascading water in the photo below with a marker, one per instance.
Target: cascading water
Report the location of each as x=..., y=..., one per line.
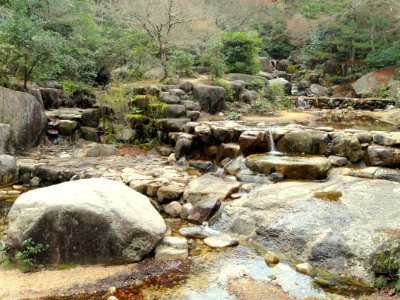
x=302, y=103
x=272, y=143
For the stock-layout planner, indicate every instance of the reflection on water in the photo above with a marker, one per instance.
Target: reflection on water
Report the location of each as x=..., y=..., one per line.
x=212, y=272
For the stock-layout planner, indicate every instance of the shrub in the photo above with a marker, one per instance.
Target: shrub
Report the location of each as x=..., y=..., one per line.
x=227, y=86
x=181, y=62
x=383, y=91
x=241, y=52
x=384, y=57
x=26, y=258
x=215, y=60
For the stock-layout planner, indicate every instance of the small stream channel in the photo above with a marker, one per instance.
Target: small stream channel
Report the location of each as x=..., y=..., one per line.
x=210, y=273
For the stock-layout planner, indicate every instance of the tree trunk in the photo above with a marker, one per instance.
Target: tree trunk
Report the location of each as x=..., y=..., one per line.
x=26, y=82
x=163, y=56
x=372, y=37
x=352, y=52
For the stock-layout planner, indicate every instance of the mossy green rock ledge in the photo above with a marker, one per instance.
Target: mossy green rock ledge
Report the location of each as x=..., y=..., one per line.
x=292, y=167
x=386, y=259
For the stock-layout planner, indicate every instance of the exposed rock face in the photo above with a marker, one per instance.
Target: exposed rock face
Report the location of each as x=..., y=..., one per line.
x=372, y=81
x=211, y=98
x=290, y=167
x=204, y=186
x=8, y=170
x=86, y=221
x=25, y=114
x=336, y=235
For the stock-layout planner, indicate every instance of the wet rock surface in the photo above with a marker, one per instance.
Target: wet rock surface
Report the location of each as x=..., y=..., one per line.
x=291, y=167
x=335, y=235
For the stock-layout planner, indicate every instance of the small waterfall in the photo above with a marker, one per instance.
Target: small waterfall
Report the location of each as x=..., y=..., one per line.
x=302, y=103
x=272, y=143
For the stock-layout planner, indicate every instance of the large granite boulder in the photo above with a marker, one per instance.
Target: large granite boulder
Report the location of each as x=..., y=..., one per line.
x=25, y=114
x=86, y=221
x=371, y=82
x=291, y=167
x=336, y=233
x=211, y=98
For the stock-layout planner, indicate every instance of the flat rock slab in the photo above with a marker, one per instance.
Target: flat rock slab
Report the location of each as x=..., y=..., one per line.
x=208, y=186
x=198, y=232
x=291, y=167
x=338, y=235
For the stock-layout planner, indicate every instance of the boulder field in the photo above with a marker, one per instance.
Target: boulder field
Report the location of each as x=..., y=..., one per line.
x=86, y=221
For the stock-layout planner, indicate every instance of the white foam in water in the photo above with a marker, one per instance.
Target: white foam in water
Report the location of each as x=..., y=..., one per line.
x=272, y=143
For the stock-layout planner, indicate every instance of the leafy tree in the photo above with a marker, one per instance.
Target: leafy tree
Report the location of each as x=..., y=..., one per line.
x=159, y=20
x=28, y=50
x=241, y=51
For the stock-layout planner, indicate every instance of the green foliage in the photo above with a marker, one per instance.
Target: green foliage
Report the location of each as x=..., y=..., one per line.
x=227, y=86
x=262, y=107
x=215, y=60
x=73, y=88
x=256, y=84
x=276, y=94
x=314, y=8
x=27, y=49
x=241, y=51
x=232, y=116
x=156, y=110
x=384, y=57
x=181, y=62
x=26, y=258
x=383, y=91
x=116, y=98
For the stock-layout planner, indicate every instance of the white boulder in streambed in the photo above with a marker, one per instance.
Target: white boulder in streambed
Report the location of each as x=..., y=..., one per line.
x=86, y=221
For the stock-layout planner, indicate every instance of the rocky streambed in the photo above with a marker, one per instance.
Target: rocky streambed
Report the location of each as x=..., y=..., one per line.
x=334, y=221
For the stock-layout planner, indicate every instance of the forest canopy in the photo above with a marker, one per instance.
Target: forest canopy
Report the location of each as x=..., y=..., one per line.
x=87, y=41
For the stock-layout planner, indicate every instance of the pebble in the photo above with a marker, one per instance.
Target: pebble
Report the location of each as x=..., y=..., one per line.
x=271, y=258
x=304, y=268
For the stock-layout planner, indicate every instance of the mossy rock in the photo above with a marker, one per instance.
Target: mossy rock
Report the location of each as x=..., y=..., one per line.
x=386, y=259
x=141, y=101
x=136, y=120
x=156, y=110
